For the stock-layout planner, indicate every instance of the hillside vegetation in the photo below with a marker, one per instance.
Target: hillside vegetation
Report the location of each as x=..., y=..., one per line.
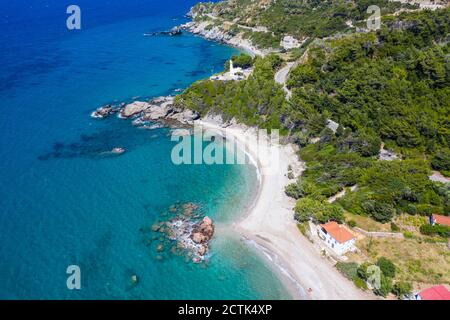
x=392, y=85
x=387, y=87
x=299, y=18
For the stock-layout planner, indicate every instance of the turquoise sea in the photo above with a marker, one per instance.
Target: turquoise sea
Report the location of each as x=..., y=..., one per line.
x=64, y=202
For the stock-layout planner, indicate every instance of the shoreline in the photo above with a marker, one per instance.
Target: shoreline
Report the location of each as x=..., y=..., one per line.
x=269, y=226
x=220, y=36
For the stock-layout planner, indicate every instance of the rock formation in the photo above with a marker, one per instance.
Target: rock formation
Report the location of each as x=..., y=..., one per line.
x=133, y=109
x=204, y=231
x=157, y=111
x=104, y=111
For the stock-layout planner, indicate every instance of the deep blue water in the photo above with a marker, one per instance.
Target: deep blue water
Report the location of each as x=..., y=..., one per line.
x=63, y=202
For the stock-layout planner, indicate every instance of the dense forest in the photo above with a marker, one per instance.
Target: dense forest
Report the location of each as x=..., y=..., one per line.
x=392, y=85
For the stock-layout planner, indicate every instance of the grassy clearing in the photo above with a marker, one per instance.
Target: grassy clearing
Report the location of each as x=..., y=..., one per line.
x=418, y=261
x=410, y=223
x=367, y=223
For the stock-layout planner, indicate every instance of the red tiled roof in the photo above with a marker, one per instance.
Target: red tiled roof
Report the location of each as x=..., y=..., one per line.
x=435, y=293
x=337, y=231
x=444, y=220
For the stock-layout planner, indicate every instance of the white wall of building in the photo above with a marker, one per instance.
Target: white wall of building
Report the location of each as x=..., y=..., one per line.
x=339, y=248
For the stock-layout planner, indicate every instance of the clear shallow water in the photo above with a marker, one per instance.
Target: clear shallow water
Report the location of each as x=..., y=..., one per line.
x=63, y=202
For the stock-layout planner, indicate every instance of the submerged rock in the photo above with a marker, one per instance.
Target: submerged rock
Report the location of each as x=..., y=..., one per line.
x=104, y=111
x=175, y=31
x=160, y=247
x=118, y=150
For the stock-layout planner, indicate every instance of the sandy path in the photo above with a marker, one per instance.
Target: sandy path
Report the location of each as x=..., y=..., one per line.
x=270, y=224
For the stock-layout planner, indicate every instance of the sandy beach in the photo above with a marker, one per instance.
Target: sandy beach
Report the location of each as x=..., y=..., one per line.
x=270, y=225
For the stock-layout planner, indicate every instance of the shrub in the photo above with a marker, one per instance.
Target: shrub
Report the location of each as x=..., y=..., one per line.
x=322, y=211
x=293, y=190
x=348, y=269
x=402, y=288
x=331, y=212
x=394, y=227
x=351, y=223
x=408, y=234
x=365, y=143
x=242, y=61
x=306, y=208
x=385, y=286
x=441, y=160
x=429, y=230
x=382, y=212
x=360, y=283
x=411, y=209
x=387, y=267
x=303, y=227
x=362, y=271
x=300, y=138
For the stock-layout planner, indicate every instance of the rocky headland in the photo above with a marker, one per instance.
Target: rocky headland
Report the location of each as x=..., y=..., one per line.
x=150, y=114
x=208, y=30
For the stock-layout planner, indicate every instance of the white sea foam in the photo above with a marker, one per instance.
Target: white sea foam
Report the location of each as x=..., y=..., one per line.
x=273, y=258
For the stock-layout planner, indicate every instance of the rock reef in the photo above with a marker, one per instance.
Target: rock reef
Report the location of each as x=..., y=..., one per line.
x=175, y=31
x=159, y=111
x=184, y=230
x=104, y=111
x=192, y=236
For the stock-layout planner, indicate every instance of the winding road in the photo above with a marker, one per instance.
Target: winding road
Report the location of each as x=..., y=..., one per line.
x=282, y=75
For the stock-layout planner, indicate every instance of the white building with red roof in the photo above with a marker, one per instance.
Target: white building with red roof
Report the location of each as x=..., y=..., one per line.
x=434, y=293
x=337, y=237
x=440, y=219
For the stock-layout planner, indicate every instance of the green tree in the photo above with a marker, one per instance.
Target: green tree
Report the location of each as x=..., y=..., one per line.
x=322, y=211
x=380, y=211
x=387, y=267
x=441, y=161
x=307, y=208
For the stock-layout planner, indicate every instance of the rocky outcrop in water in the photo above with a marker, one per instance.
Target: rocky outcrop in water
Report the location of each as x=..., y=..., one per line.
x=161, y=110
x=133, y=108
x=104, y=111
x=184, y=230
x=175, y=31
x=193, y=236
x=204, y=231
